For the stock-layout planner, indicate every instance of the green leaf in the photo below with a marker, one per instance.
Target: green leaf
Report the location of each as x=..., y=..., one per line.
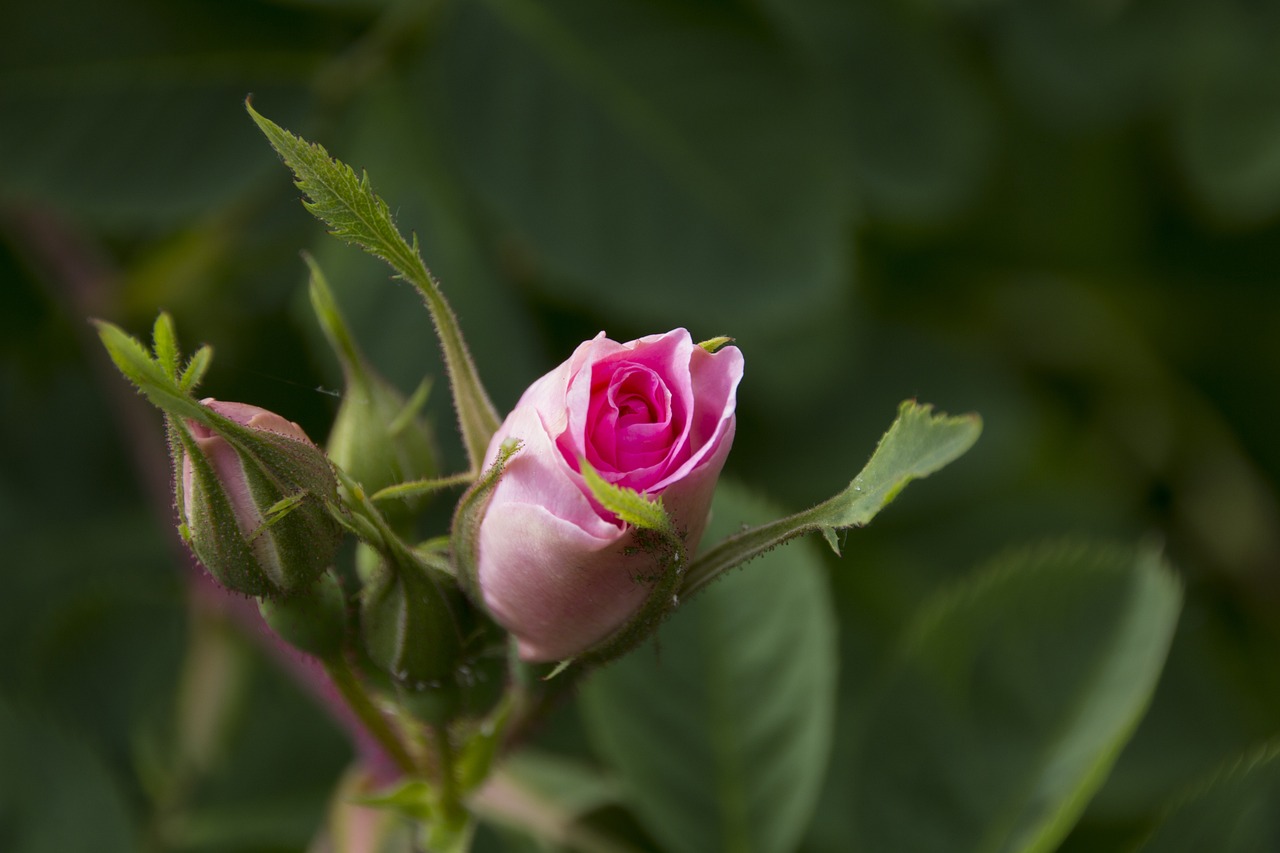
x=354, y=213
x=916, y=445
x=1233, y=813
x=1009, y=701
x=331, y=319
x=720, y=731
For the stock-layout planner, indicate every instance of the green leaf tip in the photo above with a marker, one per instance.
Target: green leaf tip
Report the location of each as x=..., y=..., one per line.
x=164, y=340
x=711, y=345
x=149, y=373
x=559, y=669
x=917, y=444
x=347, y=204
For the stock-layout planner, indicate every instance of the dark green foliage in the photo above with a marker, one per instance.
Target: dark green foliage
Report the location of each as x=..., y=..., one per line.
x=1063, y=215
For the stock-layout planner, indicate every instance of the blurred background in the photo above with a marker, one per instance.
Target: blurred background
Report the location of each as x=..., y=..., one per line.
x=1062, y=214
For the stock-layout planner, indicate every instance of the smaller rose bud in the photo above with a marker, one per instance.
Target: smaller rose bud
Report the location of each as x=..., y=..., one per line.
x=414, y=621
x=255, y=497
x=377, y=438
x=380, y=441
x=312, y=620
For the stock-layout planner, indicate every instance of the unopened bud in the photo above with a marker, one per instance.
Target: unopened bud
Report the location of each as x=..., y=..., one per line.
x=255, y=497
x=414, y=621
x=379, y=439
x=312, y=620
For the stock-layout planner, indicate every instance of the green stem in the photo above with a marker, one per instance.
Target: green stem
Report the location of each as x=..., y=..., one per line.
x=448, y=774
x=357, y=699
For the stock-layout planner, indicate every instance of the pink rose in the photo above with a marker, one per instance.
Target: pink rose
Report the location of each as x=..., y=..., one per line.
x=655, y=415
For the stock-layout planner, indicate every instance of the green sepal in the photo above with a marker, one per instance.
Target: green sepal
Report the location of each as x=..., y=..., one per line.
x=654, y=534
x=377, y=437
x=312, y=620
x=354, y=213
x=632, y=507
x=441, y=829
x=147, y=373
x=711, y=345
x=416, y=488
x=229, y=557
x=197, y=366
x=164, y=340
x=414, y=622
x=466, y=522
x=916, y=445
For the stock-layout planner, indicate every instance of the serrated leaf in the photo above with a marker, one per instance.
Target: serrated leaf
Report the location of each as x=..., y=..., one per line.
x=1235, y=812
x=916, y=445
x=720, y=730
x=353, y=212
x=1009, y=701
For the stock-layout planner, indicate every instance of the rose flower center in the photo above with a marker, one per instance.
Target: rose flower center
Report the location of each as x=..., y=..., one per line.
x=629, y=421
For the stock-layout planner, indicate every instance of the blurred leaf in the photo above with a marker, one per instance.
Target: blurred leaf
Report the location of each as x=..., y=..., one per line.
x=1011, y=698
x=1234, y=813
x=129, y=112
x=1083, y=63
x=1226, y=130
x=56, y=794
x=702, y=184
x=912, y=119
x=720, y=731
x=544, y=797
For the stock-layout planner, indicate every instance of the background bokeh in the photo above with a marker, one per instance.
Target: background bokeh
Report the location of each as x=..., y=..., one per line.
x=1062, y=214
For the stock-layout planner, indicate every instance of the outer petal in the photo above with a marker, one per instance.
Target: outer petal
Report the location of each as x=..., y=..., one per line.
x=553, y=572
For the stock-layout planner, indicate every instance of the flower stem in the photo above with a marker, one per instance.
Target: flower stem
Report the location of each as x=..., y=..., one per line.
x=357, y=698
x=448, y=774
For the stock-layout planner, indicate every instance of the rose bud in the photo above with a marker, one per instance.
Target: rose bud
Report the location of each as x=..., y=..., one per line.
x=378, y=443
x=378, y=438
x=413, y=623
x=254, y=494
x=655, y=415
